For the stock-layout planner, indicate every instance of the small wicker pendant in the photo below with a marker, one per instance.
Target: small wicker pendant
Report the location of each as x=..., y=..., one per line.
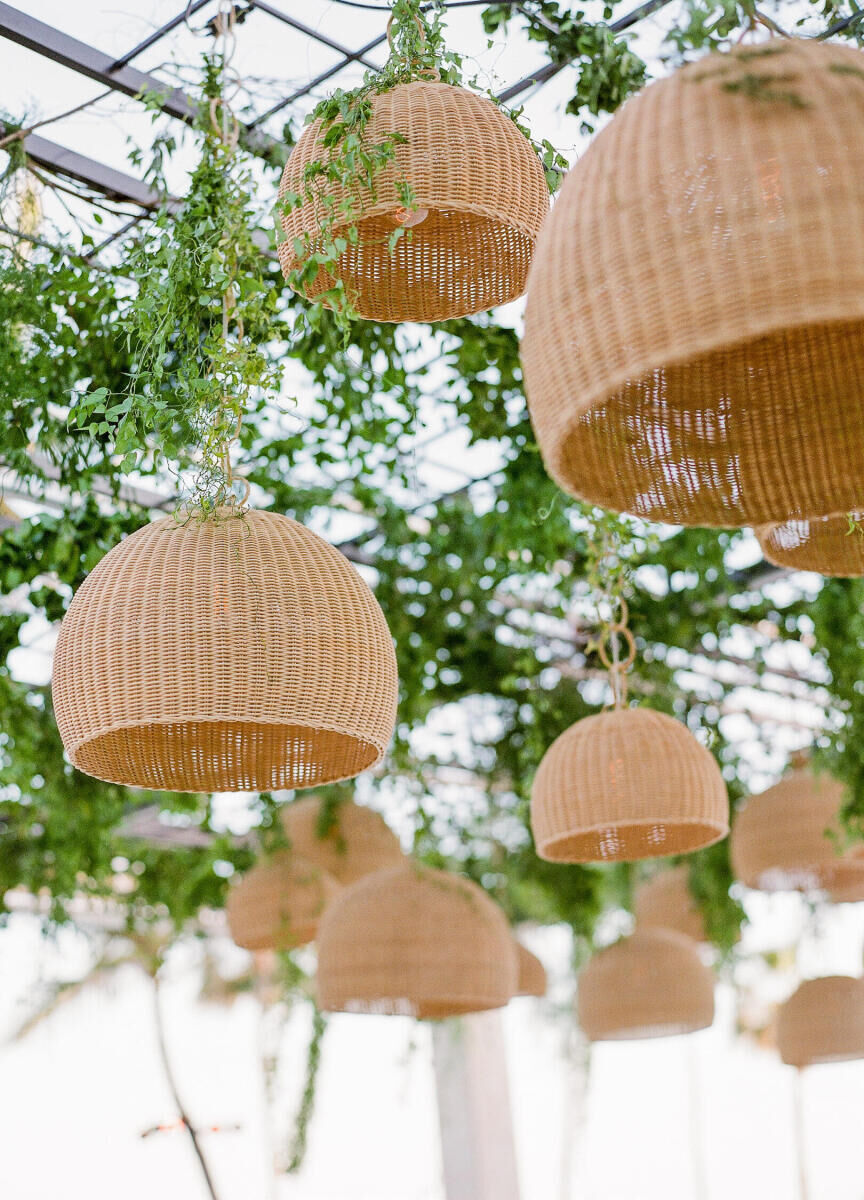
x=694, y=335
x=416, y=942
x=822, y=1022
x=357, y=842
x=781, y=839
x=278, y=903
x=828, y=545
x=652, y=984
x=665, y=902
x=480, y=199
x=236, y=654
x=624, y=785
x=532, y=974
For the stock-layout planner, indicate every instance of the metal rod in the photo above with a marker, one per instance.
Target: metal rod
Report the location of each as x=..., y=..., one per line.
x=158, y=34
x=348, y=54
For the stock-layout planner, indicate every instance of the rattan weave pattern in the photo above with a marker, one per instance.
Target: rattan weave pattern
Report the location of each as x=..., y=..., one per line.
x=415, y=941
x=822, y=1022
x=694, y=335
x=237, y=654
x=278, y=903
x=531, y=980
x=830, y=545
x=476, y=176
x=780, y=839
x=651, y=984
x=624, y=785
x=358, y=842
x=665, y=902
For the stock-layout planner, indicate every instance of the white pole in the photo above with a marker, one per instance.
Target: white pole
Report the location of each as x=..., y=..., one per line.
x=697, y=1158
x=799, y=1133
x=477, y=1145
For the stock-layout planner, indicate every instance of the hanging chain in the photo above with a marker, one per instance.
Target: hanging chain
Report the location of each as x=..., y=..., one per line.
x=615, y=632
x=226, y=126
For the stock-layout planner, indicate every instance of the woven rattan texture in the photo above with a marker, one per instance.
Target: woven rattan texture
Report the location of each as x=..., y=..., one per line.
x=414, y=941
x=356, y=843
x=532, y=974
x=244, y=653
x=652, y=984
x=625, y=785
x=822, y=1022
x=665, y=902
x=278, y=903
x=694, y=345
x=780, y=839
x=830, y=545
x=475, y=174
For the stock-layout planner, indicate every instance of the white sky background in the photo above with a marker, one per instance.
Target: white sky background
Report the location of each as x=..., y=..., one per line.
x=76, y=1094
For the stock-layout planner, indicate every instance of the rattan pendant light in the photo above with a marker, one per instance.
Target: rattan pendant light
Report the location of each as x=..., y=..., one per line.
x=781, y=839
x=224, y=655
x=278, y=903
x=652, y=984
x=414, y=941
x=531, y=979
x=694, y=337
x=626, y=784
x=665, y=901
x=822, y=1022
x=354, y=842
x=479, y=192
x=828, y=545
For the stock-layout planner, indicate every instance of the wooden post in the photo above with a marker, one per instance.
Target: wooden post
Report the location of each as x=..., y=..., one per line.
x=478, y=1150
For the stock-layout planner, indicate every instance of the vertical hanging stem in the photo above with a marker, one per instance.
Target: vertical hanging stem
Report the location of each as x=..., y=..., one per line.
x=799, y=1134
x=697, y=1160
x=172, y=1085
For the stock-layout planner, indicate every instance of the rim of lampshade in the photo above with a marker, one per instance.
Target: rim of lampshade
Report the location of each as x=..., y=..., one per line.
x=591, y=834
x=808, y=555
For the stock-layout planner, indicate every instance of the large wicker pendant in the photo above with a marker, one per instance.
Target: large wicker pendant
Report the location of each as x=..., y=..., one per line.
x=416, y=942
x=243, y=653
x=480, y=197
x=652, y=984
x=822, y=1022
x=694, y=343
x=789, y=838
x=624, y=785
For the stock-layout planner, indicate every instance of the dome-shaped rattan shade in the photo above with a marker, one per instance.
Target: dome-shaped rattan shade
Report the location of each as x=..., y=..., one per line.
x=694, y=335
x=278, y=903
x=782, y=839
x=224, y=655
x=652, y=984
x=348, y=843
x=822, y=1022
x=531, y=979
x=829, y=545
x=474, y=174
x=415, y=941
x=665, y=901
x=625, y=785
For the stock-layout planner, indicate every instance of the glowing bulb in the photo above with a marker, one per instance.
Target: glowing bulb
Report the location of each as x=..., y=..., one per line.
x=409, y=217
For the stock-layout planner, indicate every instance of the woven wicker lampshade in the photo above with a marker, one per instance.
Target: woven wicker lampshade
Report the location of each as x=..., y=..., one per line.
x=824, y=544
x=694, y=335
x=623, y=785
x=358, y=842
x=780, y=839
x=665, y=902
x=822, y=1022
x=652, y=984
x=224, y=655
x=414, y=941
x=278, y=903
x=473, y=174
x=531, y=979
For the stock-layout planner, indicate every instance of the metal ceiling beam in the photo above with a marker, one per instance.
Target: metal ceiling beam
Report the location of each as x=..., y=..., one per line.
x=44, y=39
x=347, y=54
x=158, y=34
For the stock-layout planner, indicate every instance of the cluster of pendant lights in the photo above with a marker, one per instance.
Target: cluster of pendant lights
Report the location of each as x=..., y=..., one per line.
x=393, y=937
x=694, y=353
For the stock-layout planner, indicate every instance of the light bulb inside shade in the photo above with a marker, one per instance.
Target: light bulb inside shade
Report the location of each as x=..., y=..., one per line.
x=409, y=217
